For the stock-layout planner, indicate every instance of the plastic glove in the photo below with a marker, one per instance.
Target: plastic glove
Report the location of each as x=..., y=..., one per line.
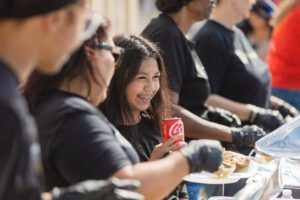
x=203, y=155
x=114, y=189
x=247, y=135
x=222, y=116
x=288, y=110
x=268, y=119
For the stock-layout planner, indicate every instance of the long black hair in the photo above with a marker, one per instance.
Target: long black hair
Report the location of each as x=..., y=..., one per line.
x=39, y=87
x=116, y=106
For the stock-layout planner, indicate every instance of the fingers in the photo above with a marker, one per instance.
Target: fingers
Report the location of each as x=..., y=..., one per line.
x=177, y=146
x=158, y=146
x=173, y=139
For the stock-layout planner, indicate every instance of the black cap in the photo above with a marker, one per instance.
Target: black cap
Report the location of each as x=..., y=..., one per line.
x=29, y=8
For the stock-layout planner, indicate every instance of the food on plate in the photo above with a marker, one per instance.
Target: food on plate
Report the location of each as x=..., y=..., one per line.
x=225, y=169
x=232, y=162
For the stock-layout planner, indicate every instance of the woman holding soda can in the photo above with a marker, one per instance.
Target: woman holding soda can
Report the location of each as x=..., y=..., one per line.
x=79, y=143
x=137, y=96
x=137, y=102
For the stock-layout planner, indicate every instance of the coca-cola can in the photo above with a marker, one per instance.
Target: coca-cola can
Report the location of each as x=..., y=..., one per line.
x=172, y=127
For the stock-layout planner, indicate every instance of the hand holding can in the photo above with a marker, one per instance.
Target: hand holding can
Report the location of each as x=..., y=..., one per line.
x=171, y=128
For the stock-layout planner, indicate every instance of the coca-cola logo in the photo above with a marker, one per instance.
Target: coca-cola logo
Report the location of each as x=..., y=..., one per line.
x=175, y=129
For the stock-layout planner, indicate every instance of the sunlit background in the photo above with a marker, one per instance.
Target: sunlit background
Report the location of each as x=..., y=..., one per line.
x=127, y=16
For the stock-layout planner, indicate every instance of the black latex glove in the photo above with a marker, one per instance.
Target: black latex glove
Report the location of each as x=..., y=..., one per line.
x=246, y=136
x=222, y=116
x=114, y=189
x=203, y=155
x=268, y=119
x=288, y=110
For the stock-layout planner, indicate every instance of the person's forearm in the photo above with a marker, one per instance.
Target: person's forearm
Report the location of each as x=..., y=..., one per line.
x=195, y=127
x=240, y=109
x=158, y=178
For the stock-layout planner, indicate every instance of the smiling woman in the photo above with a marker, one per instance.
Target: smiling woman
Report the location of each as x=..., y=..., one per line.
x=139, y=81
x=136, y=101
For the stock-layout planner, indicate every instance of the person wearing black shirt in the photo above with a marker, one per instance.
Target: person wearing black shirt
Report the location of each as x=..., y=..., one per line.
x=17, y=134
x=234, y=70
x=239, y=79
x=140, y=97
x=188, y=83
x=79, y=143
x=29, y=35
x=137, y=103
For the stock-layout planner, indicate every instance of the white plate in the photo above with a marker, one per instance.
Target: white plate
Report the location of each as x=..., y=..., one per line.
x=210, y=178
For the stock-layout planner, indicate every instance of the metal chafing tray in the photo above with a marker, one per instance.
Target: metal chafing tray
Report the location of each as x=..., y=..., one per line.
x=283, y=142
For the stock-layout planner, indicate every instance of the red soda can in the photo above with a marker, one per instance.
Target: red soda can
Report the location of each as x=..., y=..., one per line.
x=172, y=127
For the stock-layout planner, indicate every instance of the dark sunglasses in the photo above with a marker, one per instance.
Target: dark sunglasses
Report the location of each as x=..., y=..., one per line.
x=116, y=51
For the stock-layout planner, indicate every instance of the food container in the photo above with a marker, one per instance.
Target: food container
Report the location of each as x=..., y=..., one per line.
x=283, y=142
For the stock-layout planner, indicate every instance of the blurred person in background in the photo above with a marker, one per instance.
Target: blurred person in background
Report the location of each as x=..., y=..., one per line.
x=283, y=60
x=36, y=35
x=261, y=29
x=188, y=82
x=79, y=143
x=239, y=79
x=189, y=87
x=137, y=101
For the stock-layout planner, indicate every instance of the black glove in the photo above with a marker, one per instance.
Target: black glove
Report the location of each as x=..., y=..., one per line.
x=247, y=135
x=114, y=189
x=288, y=110
x=222, y=116
x=203, y=155
x=268, y=119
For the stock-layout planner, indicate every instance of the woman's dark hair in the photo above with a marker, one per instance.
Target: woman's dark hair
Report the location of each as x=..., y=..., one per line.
x=116, y=106
x=39, y=87
x=170, y=6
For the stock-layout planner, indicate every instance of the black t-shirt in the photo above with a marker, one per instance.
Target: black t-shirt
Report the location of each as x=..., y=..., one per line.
x=234, y=69
x=78, y=142
x=17, y=132
x=143, y=136
x=185, y=78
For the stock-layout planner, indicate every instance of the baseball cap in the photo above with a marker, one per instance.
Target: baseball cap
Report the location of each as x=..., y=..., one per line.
x=264, y=9
x=29, y=8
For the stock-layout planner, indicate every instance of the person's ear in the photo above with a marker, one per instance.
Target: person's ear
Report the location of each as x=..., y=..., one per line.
x=90, y=53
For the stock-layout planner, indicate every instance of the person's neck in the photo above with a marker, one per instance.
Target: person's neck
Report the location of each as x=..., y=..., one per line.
x=75, y=86
x=18, y=51
x=261, y=34
x=137, y=116
x=227, y=19
x=183, y=19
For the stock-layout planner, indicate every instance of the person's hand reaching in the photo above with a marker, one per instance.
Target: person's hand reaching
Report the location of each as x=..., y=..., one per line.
x=203, y=155
x=163, y=148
